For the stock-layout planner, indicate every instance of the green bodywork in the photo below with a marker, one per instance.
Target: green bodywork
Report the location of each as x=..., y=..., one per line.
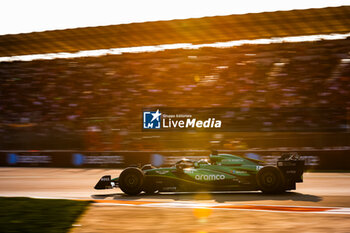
x=222, y=172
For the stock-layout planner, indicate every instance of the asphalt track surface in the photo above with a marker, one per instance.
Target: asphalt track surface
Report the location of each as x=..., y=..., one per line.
x=190, y=212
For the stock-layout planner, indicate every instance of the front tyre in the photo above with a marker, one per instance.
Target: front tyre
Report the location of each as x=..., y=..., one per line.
x=270, y=180
x=131, y=181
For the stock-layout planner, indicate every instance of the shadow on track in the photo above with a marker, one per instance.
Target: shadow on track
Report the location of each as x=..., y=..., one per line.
x=216, y=196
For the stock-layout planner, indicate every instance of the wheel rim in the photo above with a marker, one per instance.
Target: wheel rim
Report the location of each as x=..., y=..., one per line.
x=131, y=181
x=269, y=179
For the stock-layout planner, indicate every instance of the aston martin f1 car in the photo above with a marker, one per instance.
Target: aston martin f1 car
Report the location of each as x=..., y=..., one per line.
x=222, y=172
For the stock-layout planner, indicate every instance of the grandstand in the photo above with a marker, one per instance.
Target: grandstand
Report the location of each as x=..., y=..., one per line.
x=196, y=31
x=95, y=103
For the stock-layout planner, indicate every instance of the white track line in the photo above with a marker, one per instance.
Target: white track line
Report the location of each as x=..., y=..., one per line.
x=244, y=207
x=217, y=206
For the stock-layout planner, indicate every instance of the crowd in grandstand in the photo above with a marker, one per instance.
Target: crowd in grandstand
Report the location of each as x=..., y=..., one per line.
x=101, y=99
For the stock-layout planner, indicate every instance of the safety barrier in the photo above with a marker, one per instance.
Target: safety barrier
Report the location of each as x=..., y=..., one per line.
x=327, y=159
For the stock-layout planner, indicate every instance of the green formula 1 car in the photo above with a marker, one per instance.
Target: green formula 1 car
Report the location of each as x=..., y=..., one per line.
x=222, y=172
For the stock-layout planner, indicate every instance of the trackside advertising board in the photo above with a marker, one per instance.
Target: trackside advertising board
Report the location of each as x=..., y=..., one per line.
x=314, y=160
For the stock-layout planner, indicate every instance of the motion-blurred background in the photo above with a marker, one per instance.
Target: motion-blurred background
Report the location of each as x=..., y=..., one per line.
x=65, y=99
x=75, y=77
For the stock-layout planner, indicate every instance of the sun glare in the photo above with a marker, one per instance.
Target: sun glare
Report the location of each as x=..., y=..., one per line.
x=39, y=15
x=157, y=48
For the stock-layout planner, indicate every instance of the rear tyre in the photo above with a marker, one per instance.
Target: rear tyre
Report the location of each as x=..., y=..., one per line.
x=131, y=181
x=270, y=180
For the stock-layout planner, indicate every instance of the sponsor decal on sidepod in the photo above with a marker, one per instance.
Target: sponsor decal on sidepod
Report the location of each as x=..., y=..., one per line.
x=209, y=177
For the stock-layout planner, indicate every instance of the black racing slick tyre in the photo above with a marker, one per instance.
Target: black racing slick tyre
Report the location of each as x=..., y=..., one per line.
x=270, y=180
x=131, y=181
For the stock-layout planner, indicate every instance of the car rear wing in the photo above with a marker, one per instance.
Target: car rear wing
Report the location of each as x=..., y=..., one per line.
x=291, y=166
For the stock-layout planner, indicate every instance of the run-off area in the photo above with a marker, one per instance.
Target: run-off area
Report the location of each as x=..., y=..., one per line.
x=318, y=190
